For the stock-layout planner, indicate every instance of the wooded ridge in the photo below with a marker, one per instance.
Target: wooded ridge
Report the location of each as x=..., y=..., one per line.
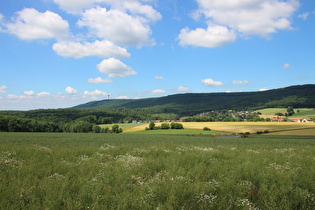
x=301, y=96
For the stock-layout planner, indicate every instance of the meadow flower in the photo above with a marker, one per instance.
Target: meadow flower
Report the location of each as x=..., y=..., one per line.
x=209, y=199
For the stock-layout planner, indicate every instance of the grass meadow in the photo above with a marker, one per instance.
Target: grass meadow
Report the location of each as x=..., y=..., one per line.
x=303, y=112
x=144, y=171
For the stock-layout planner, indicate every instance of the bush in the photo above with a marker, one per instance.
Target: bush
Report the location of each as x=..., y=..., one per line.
x=165, y=126
x=116, y=129
x=206, y=129
x=96, y=129
x=151, y=126
x=105, y=130
x=177, y=126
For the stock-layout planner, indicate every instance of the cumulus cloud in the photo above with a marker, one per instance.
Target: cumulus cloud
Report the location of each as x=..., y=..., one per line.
x=236, y=82
x=29, y=24
x=74, y=6
x=1, y=23
x=157, y=91
x=96, y=94
x=135, y=7
x=263, y=89
x=182, y=89
x=115, y=68
x=239, y=17
x=116, y=26
x=211, y=82
x=42, y=94
x=213, y=36
x=3, y=89
x=29, y=93
x=286, y=66
x=98, y=48
x=71, y=90
x=99, y=80
x=157, y=77
x=122, y=97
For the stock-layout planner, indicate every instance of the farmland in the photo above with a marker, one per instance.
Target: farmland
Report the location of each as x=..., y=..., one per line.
x=299, y=113
x=274, y=128
x=132, y=171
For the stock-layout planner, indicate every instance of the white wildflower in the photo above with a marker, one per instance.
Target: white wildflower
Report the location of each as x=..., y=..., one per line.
x=209, y=199
x=106, y=147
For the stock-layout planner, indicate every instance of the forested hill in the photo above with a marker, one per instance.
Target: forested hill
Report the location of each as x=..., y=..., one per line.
x=301, y=96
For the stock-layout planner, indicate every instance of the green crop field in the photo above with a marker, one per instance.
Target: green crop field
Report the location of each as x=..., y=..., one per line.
x=303, y=112
x=130, y=171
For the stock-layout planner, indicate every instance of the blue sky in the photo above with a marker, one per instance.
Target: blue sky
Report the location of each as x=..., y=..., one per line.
x=61, y=53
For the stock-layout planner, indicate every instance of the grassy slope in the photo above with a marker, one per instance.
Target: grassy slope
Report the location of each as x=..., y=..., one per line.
x=304, y=112
x=104, y=171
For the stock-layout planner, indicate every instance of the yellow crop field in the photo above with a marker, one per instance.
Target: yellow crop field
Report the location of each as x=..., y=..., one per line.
x=252, y=127
x=275, y=128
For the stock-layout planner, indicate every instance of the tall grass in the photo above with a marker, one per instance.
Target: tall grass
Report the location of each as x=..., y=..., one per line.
x=97, y=171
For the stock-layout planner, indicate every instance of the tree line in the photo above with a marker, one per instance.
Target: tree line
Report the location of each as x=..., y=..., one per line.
x=15, y=124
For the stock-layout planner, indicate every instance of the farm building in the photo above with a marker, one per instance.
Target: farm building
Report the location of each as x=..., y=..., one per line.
x=302, y=120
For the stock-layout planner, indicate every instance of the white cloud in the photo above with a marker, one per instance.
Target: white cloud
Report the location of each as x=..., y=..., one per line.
x=43, y=94
x=116, y=26
x=304, y=15
x=74, y=6
x=99, y=80
x=157, y=77
x=98, y=48
x=122, y=97
x=239, y=17
x=71, y=90
x=3, y=89
x=157, y=91
x=96, y=94
x=29, y=93
x=136, y=7
x=263, y=89
x=115, y=68
x=286, y=66
x=236, y=82
x=182, y=89
x=1, y=23
x=31, y=24
x=211, y=82
x=213, y=36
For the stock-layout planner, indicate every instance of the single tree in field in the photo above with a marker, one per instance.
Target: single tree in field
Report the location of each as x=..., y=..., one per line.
x=290, y=111
x=151, y=125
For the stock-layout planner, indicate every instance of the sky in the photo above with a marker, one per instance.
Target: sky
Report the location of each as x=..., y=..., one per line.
x=62, y=53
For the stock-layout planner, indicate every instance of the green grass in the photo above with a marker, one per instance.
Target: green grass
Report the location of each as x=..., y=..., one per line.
x=129, y=171
x=304, y=112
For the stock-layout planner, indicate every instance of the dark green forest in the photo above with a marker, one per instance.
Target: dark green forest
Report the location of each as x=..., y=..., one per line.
x=301, y=96
x=191, y=106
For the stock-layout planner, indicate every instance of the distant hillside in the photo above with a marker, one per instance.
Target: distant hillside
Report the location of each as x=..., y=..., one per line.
x=301, y=96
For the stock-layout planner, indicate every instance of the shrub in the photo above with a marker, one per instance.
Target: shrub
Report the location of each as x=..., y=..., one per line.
x=206, y=129
x=116, y=129
x=151, y=126
x=165, y=126
x=96, y=129
x=177, y=126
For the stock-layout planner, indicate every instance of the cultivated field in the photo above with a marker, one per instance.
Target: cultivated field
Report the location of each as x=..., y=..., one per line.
x=130, y=171
x=303, y=112
x=274, y=128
